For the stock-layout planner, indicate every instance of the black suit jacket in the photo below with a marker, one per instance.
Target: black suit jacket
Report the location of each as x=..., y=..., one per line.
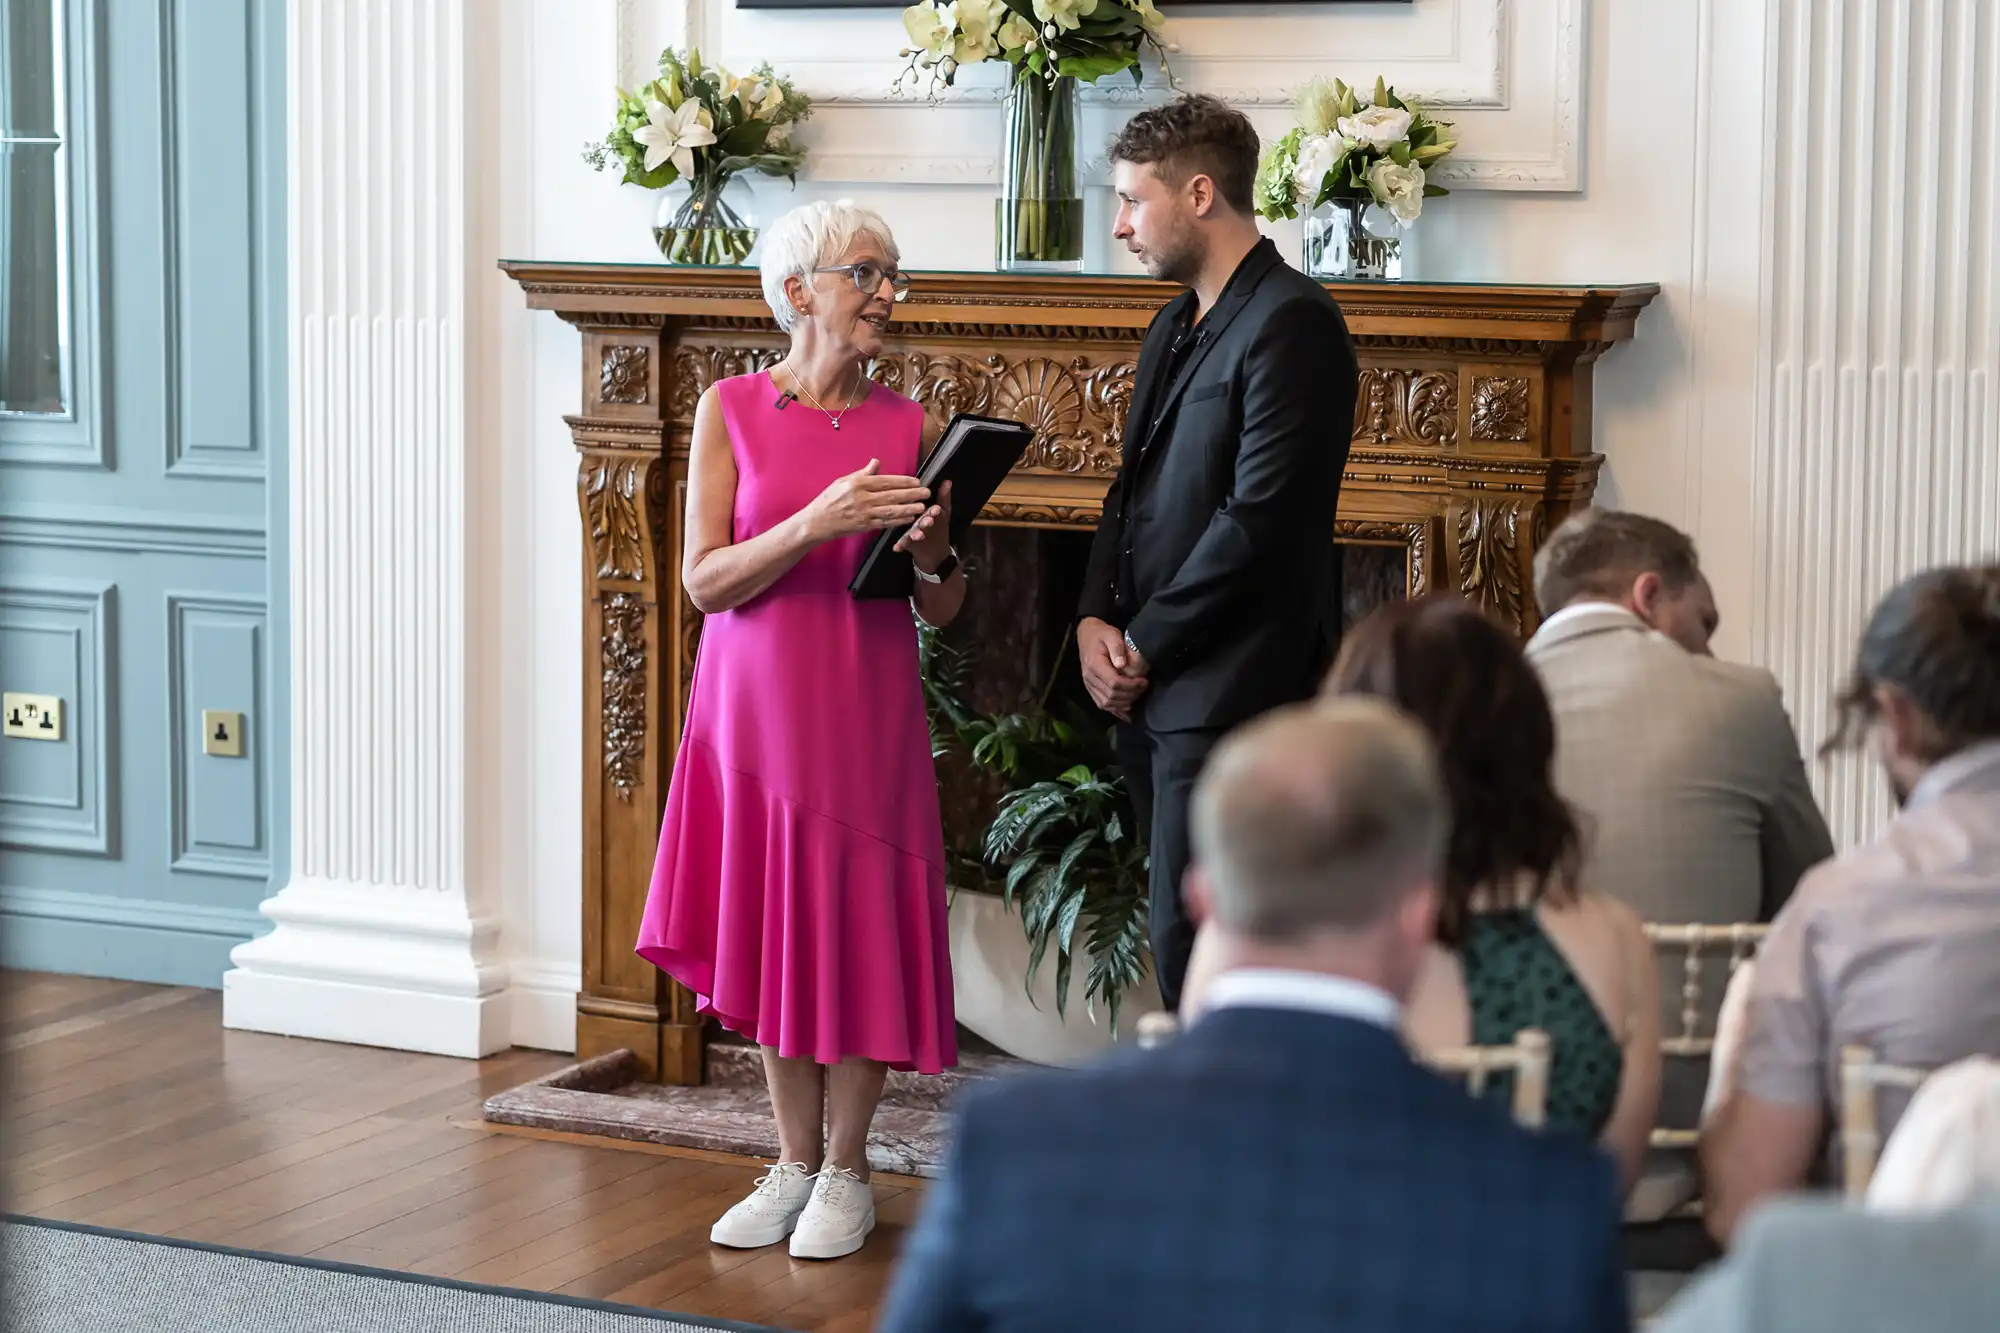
x=1266, y=1171
x=1215, y=552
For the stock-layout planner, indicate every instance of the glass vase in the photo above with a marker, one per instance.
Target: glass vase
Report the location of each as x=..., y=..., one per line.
x=696, y=226
x=1038, y=222
x=1353, y=240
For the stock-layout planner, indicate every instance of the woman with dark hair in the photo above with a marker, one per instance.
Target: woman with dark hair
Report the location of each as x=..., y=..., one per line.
x=1521, y=943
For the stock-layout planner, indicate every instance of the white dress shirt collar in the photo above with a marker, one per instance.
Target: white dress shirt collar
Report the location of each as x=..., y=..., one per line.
x=1310, y=992
x=1578, y=610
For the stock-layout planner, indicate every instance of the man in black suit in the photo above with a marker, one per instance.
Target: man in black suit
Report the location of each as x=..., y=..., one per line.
x=1213, y=590
x=1282, y=1163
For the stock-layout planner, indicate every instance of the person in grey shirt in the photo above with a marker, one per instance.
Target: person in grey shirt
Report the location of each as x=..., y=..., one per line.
x=1686, y=769
x=1813, y=1266
x=1895, y=945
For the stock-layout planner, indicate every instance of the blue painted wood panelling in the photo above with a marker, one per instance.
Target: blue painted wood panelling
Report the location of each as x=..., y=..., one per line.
x=212, y=350
x=215, y=659
x=55, y=638
x=143, y=571
x=101, y=935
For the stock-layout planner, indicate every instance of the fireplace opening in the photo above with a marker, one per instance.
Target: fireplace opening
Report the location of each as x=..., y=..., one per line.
x=1011, y=656
x=1371, y=573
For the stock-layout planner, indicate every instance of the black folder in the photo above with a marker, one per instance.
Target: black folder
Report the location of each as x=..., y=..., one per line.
x=974, y=454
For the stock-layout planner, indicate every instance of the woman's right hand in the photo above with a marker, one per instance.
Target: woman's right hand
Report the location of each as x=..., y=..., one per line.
x=865, y=501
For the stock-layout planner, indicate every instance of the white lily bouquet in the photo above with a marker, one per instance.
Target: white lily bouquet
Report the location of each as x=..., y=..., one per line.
x=704, y=125
x=1343, y=148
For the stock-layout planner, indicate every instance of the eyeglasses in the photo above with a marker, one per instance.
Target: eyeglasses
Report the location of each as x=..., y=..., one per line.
x=868, y=276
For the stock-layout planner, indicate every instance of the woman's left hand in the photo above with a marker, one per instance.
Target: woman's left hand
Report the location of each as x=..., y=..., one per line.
x=929, y=539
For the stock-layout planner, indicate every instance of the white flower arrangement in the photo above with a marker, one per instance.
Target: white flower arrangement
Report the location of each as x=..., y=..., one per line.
x=1342, y=148
x=702, y=124
x=1081, y=39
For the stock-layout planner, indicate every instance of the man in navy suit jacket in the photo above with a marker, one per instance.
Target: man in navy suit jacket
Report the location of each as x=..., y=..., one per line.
x=1284, y=1163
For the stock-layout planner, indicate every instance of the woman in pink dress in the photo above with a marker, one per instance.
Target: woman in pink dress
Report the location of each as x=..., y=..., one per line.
x=799, y=888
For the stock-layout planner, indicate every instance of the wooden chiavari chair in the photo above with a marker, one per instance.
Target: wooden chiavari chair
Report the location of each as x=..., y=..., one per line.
x=1698, y=944
x=1861, y=1078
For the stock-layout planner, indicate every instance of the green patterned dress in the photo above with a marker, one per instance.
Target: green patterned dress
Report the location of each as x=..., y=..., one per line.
x=1516, y=978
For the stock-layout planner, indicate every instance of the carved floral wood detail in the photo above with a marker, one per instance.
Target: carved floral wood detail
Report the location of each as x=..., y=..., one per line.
x=621, y=377
x=1077, y=408
x=622, y=645
x=1040, y=515
x=1500, y=408
x=611, y=486
x=695, y=368
x=1495, y=539
x=1407, y=407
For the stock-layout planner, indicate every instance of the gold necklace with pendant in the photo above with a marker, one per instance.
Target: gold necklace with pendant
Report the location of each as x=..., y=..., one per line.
x=835, y=419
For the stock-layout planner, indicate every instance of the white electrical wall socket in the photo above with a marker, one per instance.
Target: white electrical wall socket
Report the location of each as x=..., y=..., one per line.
x=33, y=717
x=222, y=733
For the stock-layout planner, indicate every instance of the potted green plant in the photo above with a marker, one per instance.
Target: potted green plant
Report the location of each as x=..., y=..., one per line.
x=1058, y=868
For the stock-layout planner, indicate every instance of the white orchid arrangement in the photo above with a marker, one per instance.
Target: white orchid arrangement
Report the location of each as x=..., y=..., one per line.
x=1343, y=148
x=703, y=124
x=1085, y=40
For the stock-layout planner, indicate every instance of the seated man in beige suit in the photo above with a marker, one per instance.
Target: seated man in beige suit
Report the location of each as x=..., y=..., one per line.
x=1686, y=768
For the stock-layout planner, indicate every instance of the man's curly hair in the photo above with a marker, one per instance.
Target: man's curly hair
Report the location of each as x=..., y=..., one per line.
x=1194, y=135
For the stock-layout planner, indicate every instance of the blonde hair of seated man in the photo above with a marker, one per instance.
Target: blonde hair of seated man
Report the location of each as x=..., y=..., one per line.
x=1619, y=558
x=1318, y=837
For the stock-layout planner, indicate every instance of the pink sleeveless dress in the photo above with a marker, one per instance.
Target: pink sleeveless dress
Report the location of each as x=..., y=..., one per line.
x=799, y=889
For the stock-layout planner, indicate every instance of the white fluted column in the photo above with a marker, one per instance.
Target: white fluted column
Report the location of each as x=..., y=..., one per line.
x=382, y=936
x=1879, y=402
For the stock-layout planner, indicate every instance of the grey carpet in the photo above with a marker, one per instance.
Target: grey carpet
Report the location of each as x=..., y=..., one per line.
x=59, y=1278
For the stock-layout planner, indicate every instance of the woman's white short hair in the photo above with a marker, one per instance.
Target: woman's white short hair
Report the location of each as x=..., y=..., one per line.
x=813, y=236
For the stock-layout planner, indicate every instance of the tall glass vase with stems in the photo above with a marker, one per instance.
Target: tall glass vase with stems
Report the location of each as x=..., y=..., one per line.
x=1038, y=227
x=695, y=225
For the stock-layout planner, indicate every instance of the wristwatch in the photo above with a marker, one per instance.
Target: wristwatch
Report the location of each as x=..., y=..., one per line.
x=1132, y=647
x=945, y=566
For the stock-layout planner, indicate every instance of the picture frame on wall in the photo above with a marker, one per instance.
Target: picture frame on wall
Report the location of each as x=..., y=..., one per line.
x=1163, y=4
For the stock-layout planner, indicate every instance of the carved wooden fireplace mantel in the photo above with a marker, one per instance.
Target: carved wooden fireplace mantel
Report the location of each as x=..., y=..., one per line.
x=1472, y=436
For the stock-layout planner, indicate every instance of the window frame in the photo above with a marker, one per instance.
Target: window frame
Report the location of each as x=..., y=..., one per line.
x=78, y=436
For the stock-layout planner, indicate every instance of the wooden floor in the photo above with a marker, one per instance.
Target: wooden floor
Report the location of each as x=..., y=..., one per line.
x=129, y=1106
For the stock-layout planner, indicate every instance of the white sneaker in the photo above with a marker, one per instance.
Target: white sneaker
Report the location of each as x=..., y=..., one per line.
x=837, y=1219
x=771, y=1211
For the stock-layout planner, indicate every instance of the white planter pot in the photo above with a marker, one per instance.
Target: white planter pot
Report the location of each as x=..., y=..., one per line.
x=989, y=956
